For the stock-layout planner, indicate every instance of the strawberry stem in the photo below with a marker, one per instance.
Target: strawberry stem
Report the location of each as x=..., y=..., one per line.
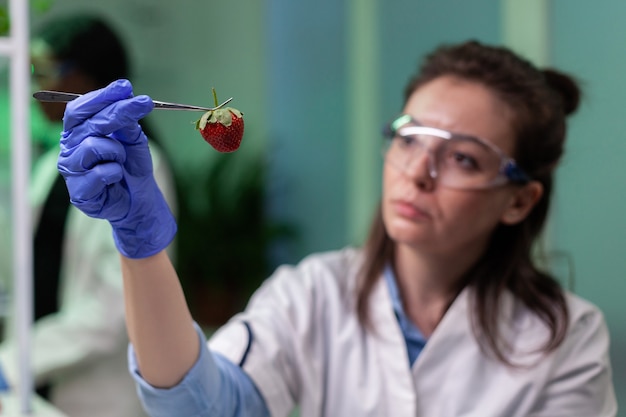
x=215, y=97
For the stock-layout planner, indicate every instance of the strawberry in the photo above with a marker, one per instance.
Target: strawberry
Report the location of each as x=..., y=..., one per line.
x=222, y=128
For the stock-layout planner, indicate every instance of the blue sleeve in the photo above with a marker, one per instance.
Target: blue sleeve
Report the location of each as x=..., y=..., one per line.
x=4, y=385
x=214, y=387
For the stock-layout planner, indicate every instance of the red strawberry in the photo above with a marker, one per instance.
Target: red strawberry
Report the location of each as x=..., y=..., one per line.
x=222, y=128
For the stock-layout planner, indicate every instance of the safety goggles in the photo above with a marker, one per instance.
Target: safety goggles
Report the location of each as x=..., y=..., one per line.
x=454, y=160
x=45, y=71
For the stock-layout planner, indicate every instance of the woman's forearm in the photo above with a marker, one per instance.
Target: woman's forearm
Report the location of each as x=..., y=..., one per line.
x=159, y=323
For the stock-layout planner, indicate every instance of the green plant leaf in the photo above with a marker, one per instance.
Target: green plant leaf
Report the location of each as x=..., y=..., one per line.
x=37, y=6
x=225, y=234
x=4, y=21
x=41, y=6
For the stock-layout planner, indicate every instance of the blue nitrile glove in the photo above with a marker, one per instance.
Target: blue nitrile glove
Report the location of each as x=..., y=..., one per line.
x=107, y=168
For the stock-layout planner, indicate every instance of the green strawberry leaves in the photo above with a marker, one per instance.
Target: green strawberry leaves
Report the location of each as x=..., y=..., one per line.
x=223, y=116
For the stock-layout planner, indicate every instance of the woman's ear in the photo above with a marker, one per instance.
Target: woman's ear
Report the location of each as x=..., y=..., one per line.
x=522, y=202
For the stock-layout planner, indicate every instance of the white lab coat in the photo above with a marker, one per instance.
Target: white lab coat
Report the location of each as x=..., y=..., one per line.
x=82, y=349
x=308, y=348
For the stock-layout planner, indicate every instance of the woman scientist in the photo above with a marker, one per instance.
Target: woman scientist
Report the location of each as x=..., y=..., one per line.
x=441, y=313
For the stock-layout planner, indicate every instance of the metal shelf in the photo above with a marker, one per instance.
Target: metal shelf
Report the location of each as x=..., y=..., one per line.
x=15, y=47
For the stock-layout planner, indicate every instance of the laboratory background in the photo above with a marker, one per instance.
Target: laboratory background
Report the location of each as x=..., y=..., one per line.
x=316, y=80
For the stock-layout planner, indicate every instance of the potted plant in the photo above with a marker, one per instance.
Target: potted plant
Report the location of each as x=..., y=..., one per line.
x=225, y=236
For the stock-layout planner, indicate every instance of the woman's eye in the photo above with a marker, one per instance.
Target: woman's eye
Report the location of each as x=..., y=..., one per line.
x=463, y=160
x=406, y=141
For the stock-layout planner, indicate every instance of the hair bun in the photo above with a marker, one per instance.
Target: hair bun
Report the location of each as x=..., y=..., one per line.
x=566, y=87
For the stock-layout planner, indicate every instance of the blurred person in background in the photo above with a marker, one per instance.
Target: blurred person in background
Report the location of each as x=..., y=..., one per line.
x=79, y=341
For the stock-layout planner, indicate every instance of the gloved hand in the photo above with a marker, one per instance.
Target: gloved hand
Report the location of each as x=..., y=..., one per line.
x=107, y=168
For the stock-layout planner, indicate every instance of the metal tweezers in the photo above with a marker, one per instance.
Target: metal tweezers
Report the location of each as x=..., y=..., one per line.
x=61, y=97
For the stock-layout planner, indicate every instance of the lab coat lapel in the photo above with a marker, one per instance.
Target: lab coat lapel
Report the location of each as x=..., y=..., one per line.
x=450, y=344
x=453, y=364
x=453, y=331
x=393, y=356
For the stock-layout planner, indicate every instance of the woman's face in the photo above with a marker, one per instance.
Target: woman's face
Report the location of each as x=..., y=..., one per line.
x=420, y=213
x=50, y=73
x=47, y=75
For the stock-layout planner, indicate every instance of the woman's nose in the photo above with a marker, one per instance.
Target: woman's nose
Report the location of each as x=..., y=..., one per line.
x=421, y=169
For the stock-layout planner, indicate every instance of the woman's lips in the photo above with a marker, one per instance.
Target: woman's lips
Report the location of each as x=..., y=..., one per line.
x=410, y=211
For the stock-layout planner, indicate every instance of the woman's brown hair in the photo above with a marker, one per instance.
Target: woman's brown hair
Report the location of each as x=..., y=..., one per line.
x=540, y=100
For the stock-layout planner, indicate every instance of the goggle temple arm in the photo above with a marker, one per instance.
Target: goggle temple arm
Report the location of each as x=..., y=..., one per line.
x=515, y=173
